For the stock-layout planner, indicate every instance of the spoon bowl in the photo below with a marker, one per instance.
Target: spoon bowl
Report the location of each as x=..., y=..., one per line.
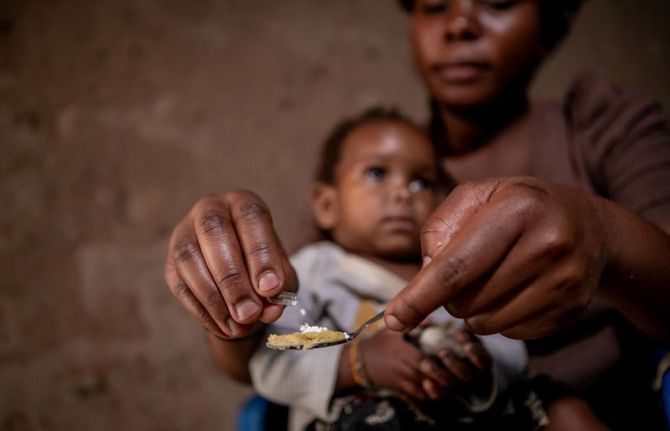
x=316, y=340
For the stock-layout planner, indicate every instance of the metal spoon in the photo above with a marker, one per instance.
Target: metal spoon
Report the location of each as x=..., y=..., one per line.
x=307, y=345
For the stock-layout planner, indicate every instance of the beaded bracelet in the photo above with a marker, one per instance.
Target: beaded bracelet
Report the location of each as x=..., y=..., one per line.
x=357, y=369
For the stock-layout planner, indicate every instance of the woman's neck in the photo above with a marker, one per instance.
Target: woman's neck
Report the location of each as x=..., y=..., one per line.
x=466, y=130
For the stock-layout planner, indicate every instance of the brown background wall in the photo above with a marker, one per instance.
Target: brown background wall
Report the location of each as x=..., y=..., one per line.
x=116, y=115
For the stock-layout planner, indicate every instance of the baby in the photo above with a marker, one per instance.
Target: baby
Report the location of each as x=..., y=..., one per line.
x=378, y=181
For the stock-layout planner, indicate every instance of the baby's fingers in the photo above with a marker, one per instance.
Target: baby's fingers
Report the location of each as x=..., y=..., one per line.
x=433, y=371
x=478, y=356
x=409, y=378
x=472, y=348
x=412, y=389
x=432, y=389
x=458, y=367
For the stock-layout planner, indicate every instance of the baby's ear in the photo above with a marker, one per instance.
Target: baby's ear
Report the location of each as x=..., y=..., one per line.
x=324, y=206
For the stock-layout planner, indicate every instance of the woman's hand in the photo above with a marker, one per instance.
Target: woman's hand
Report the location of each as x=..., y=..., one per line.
x=224, y=259
x=517, y=256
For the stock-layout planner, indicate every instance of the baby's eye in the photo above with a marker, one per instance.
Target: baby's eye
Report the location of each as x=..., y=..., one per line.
x=434, y=7
x=498, y=4
x=375, y=173
x=420, y=184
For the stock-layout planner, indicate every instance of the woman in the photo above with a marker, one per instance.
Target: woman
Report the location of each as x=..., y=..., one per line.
x=578, y=207
x=476, y=59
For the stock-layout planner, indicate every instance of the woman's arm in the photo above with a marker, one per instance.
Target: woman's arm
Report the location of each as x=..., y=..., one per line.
x=233, y=356
x=636, y=280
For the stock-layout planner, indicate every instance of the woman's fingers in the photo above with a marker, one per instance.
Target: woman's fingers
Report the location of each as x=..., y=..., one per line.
x=181, y=291
x=222, y=252
x=193, y=271
x=264, y=256
x=223, y=258
x=472, y=254
x=453, y=214
x=539, y=309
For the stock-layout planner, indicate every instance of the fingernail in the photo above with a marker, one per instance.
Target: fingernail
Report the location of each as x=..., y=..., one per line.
x=393, y=323
x=268, y=281
x=246, y=309
x=233, y=326
x=426, y=261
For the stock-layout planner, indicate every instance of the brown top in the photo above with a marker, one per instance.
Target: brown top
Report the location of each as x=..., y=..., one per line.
x=615, y=144
x=602, y=139
x=611, y=142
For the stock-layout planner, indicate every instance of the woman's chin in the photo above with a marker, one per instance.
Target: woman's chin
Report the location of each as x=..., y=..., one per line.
x=466, y=97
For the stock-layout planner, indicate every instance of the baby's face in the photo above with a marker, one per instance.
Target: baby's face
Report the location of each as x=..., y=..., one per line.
x=385, y=190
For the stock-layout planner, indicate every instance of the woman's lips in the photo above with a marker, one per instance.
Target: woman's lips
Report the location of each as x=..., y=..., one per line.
x=461, y=72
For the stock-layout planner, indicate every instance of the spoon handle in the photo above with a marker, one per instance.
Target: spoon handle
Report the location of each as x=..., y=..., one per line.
x=367, y=323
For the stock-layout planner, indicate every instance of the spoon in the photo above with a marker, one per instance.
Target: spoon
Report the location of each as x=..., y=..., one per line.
x=311, y=340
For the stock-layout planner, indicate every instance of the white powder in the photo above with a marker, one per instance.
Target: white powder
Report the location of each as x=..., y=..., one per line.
x=306, y=328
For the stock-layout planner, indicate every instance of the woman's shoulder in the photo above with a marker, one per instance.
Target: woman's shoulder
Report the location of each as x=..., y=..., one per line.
x=620, y=140
x=601, y=108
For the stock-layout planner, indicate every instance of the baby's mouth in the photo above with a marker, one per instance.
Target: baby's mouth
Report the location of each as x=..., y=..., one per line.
x=399, y=222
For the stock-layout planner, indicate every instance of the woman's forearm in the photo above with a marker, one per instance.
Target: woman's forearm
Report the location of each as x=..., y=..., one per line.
x=232, y=357
x=636, y=279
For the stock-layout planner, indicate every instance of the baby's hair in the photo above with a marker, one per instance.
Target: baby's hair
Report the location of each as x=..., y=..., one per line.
x=332, y=148
x=556, y=17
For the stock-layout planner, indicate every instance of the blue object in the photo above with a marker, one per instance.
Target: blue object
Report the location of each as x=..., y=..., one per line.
x=253, y=414
x=662, y=381
x=665, y=396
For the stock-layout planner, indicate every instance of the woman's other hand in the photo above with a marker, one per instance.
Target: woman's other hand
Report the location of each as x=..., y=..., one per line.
x=516, y=256
x=224, y=259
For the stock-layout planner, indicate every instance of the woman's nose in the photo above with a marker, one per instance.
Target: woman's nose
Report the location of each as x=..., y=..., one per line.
x=461, y=21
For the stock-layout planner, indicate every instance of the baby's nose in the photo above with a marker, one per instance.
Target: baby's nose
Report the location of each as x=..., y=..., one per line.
x=401, y=191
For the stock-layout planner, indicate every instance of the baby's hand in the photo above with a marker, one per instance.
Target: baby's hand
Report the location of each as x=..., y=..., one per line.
x=457, y=359
x=391, y=362
x=471, y=361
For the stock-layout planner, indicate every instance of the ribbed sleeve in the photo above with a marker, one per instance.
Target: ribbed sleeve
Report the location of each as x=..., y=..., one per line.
x=623, y=142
